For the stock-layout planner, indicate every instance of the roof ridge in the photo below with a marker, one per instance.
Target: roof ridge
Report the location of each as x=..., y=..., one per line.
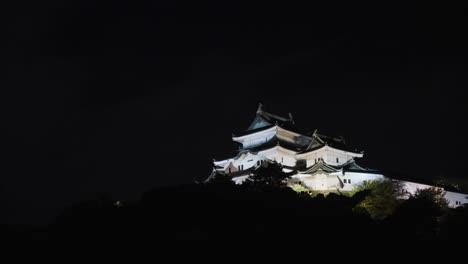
x=260, y=111
x=319, y=165
x=264, y=118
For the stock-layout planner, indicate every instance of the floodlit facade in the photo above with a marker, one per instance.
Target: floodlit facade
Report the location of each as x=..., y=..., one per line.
x=318, y=162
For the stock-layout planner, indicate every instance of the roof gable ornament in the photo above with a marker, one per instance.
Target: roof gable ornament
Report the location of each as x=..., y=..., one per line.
x=260, y=108
x=291, y=117
x=266, y=119
x=342, y=139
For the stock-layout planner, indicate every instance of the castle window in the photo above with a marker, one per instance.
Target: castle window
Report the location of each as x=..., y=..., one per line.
x=229, y=170
x=349, y=180
x=337, y=160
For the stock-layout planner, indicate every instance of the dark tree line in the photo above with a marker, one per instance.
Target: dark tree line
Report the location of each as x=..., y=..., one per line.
x=261, y=210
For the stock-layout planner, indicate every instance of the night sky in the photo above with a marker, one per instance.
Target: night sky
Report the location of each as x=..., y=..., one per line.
x=119, y=98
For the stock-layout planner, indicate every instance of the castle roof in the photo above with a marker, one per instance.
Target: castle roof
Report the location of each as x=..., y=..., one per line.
x=275, y=141
x=349, y=166
x=265, y=119
x=249, y=171
x=320, y=140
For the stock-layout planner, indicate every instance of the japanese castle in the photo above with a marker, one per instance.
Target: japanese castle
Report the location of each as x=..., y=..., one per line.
x=318, y=162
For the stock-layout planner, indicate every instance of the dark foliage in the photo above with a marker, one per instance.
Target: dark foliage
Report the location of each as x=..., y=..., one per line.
x=269, y=174
x=225, y=214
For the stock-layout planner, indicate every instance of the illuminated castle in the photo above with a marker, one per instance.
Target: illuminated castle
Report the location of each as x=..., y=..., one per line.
x=319, y=162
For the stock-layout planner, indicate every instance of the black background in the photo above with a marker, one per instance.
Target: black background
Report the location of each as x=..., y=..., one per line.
x=120, y=97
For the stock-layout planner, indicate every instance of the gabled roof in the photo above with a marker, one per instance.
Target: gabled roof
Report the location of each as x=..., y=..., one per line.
x=250, y=171
x=275, y=141
x=234, y=156
x=321, y=166
x=264, y=119
x=272, y=143
x=321, y=140
x=349, y=166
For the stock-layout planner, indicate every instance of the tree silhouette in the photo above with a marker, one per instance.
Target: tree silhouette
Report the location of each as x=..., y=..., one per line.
x=435, y=196
x=269, y=174
x=420, y=215
x=454, y=224
x=221, y=180
x=383, y=199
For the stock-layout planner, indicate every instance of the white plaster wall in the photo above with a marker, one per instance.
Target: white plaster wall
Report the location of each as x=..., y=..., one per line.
x=412, y=187
x=358, y=178
x=280, y=155
x=452, y=197
x=329, y=156
x=230, y=168
x=311, y=160
x=317, y=182
x=248, y=160
x=331, y=182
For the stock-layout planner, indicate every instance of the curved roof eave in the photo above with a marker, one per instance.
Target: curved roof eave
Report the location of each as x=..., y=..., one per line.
x=244, y=151
x=320, y=166
x=265, y=130
x=354, y=154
